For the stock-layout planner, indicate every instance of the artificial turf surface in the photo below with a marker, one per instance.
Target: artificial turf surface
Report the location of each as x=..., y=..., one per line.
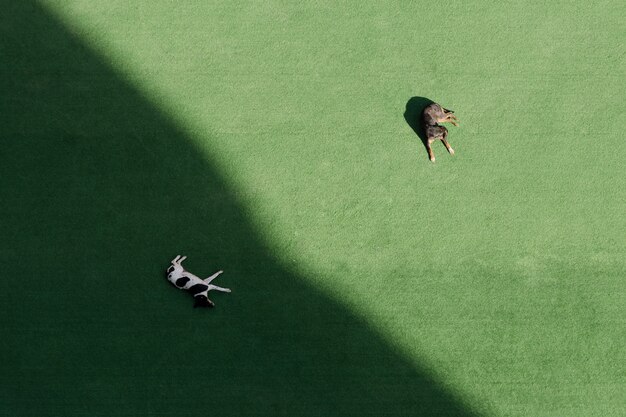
x=273, y=140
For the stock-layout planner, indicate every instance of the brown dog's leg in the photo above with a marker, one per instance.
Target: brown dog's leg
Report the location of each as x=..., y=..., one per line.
x=452, y=119
x=446, y=144
x=448, y=147
x=431, y=155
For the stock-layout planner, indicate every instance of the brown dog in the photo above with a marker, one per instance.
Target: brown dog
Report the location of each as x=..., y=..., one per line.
x=431, y=117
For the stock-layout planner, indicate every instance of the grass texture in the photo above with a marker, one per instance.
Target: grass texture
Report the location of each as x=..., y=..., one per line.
x=273, y=140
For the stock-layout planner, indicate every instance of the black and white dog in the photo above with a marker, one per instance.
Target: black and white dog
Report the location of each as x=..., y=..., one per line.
x=185, y=280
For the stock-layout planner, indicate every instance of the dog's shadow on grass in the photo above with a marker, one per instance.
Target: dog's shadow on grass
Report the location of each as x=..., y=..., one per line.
x=413, y=116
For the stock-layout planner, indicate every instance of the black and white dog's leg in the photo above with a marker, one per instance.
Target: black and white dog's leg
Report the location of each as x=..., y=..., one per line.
x=178, y=260
x=212, y=277
x=215, y=287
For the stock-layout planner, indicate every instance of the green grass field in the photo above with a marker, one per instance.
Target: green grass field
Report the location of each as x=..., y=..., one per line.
x=269, y=139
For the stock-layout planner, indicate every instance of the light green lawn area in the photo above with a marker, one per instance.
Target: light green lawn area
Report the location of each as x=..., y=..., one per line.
x=499, y=273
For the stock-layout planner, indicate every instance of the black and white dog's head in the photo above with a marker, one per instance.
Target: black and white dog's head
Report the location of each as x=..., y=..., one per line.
x=175, y=270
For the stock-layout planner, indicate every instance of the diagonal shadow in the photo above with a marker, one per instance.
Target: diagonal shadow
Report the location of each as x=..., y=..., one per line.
x=99, y=190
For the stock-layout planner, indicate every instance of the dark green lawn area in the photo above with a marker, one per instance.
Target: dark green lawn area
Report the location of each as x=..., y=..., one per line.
x=275, y=140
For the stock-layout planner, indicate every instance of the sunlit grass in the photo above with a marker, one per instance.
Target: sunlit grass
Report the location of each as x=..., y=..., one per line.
x=499, y=268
